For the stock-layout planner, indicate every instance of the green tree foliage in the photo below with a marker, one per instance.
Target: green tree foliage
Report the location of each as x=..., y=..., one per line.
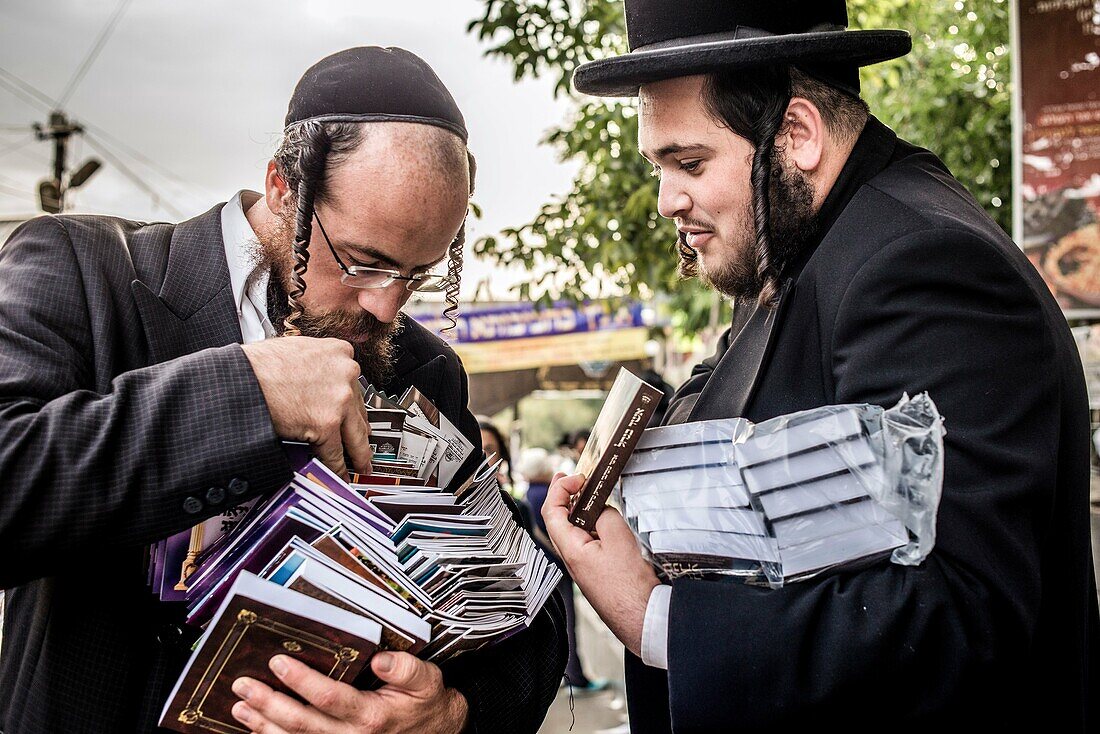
x=951, y=95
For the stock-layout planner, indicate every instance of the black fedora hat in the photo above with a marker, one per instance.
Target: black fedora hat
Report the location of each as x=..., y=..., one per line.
x=674, y=38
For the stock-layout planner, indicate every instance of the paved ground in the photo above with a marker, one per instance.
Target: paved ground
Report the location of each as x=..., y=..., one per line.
x=602, y=657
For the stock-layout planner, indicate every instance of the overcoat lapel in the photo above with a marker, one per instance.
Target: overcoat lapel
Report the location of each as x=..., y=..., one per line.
x=735, y=378
x=194, y=309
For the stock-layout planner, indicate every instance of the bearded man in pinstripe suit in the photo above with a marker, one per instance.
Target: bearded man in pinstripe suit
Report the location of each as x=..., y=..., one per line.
x=141, y=391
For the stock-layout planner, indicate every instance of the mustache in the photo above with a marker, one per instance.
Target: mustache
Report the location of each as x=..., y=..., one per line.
x=697, y=223
x=344, y=325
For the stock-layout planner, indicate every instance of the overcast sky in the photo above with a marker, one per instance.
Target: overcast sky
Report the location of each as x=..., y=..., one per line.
x=201, y=87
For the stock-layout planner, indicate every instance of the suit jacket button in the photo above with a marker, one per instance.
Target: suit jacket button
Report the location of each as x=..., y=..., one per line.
x=215, y=495
x=169, y=634
x=237, y=486
x=192, y=505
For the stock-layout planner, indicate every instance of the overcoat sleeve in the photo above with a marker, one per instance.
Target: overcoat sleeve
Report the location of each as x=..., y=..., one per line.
x=944, y=312
x=85, y=470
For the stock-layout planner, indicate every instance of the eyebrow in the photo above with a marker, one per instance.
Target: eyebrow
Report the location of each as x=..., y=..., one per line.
x=675, y=148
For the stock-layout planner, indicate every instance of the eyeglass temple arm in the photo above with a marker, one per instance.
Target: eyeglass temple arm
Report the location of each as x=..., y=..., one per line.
x=330, y=247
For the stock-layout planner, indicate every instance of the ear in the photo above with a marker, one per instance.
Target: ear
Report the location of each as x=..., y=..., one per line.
x=277, y=193
x=803, y=134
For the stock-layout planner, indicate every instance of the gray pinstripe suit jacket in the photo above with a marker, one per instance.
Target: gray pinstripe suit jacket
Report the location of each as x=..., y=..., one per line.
x=124, y=395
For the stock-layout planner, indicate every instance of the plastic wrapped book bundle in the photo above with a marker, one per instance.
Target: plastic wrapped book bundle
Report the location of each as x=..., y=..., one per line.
x=788, y=498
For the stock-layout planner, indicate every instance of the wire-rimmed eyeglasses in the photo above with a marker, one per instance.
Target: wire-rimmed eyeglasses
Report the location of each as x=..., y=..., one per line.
x=362, y=276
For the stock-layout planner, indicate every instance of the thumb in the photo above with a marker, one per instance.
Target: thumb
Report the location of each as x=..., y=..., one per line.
x=402, y=670
x=612, y=529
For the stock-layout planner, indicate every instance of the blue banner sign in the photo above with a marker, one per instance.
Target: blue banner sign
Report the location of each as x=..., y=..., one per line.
x=498, y=321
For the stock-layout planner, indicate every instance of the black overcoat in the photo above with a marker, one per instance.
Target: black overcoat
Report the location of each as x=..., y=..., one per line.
x=912, y=288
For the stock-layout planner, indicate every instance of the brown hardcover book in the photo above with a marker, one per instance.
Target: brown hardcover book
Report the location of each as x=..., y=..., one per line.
x=625, y=414
x=257, y=621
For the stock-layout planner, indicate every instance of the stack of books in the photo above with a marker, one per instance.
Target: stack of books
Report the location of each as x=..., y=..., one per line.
x=777, y=501
x=330, y=572
x=412, y=444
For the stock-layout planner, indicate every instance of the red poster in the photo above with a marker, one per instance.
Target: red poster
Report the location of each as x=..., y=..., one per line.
x=1058, y=54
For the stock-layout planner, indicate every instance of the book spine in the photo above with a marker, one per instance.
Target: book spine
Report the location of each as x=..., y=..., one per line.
x=597, y=487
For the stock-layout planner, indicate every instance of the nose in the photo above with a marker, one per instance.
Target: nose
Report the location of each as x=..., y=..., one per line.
x=672, y=199
x=384, y=303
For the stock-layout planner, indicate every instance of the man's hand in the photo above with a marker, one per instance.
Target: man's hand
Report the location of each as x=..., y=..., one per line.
x=312, y=392
x=610, y=569
x=413, y=700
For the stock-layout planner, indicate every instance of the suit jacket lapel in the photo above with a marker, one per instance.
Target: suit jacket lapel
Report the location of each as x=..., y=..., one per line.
x=426, y=378
x=731, y=385
x=412, y=367
x=194, y=308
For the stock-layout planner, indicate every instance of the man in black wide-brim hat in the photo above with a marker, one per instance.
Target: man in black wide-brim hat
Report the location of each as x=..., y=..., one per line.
x=861, y=270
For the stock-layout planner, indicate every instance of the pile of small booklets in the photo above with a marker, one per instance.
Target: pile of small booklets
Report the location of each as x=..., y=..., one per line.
x=789, y=497
x=330, y=572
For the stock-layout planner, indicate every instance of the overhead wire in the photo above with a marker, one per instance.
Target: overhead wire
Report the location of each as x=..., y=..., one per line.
x=16, y=193
x=149, y=162
x=9, y=181
x=106, y=152
x=37, y=97
x=21, y=94
x=100, y=42
x=15, y=146
x=40, y=98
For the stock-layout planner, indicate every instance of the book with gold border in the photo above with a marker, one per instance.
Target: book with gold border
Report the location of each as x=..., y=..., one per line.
x=257, y=621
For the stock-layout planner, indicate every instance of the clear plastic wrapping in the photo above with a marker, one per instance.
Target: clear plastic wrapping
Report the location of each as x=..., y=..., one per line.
x=788, y=498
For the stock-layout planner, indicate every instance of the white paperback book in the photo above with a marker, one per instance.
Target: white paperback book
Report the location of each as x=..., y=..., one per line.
x=798, y=437
x=720, y=519
x=819, y=493
x=711, y=497
x=834, y=520
x=793, y=470
x=838, y=549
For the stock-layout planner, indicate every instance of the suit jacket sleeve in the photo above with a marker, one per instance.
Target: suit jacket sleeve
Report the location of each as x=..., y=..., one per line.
x=510, y=685
x=936, y=311
x=84, y=469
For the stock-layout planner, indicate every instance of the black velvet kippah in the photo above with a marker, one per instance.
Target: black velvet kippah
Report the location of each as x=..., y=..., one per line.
x=374, y=84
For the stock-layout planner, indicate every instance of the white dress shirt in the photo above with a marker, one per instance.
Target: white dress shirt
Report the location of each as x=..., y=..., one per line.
x=247, y=278
x=655, y=628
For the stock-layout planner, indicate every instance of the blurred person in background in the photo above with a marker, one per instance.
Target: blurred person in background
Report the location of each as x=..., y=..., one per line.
x=496, y=448
x=579, y=441
x=537, y=467
x=567, y=452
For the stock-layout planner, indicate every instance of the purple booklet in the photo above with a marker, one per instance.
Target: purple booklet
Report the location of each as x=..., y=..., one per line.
x=253, y=560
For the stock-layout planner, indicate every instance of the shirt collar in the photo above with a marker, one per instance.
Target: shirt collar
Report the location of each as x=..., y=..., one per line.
x=246, y=276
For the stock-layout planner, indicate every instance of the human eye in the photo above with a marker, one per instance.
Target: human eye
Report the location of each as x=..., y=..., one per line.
x=361, y=264
x=691, y=166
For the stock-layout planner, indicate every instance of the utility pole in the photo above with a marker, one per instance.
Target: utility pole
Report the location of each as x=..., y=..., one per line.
x=51, y=192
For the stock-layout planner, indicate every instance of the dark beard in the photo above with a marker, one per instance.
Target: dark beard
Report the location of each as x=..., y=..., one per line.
x=375, y=354
x=794, y=224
